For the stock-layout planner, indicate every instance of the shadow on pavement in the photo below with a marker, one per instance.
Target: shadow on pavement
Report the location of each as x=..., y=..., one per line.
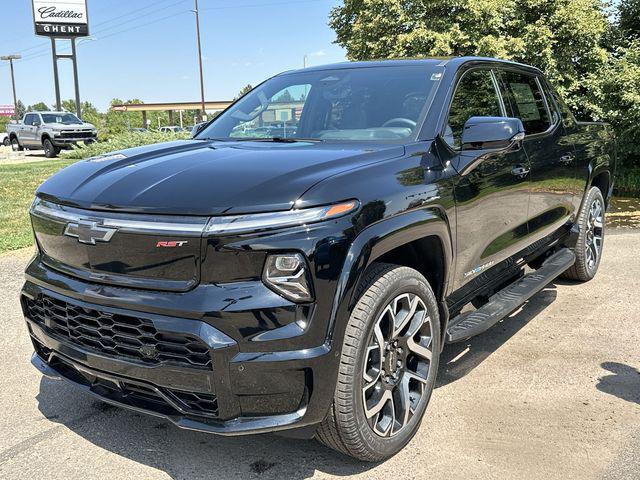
x=624, y=383
x=459, y=359
x=185, y=454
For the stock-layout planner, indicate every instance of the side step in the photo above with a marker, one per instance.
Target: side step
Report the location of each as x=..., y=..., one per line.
x=507, y=300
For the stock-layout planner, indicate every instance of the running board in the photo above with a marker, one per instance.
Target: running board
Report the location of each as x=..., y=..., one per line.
x=507, y=300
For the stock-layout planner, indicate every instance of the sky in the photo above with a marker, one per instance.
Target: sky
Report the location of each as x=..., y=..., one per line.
x=146, y=49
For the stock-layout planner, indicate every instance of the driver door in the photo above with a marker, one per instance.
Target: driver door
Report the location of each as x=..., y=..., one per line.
x=493, y=186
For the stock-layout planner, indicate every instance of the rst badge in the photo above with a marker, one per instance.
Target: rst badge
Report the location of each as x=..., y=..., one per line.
x=172, y=244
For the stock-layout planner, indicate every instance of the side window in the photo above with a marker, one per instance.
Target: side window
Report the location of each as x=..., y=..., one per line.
x=523, y=94
x=475, y=96
x=28, y=120
x=36, y=119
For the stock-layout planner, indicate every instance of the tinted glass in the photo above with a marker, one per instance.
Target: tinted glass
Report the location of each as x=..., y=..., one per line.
x=64, y=118
x=524, y=96
x=369, y=104
x=475, y=96
x=28, y=120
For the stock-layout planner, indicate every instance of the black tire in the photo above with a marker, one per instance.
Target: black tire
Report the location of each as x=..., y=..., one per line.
x=15, y=145
x=586, y=265
x=6, y=142
x=50, y=150
x=346, y=427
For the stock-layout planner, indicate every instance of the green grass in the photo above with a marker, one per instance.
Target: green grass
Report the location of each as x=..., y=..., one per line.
x=628, y=183
x=17, y=186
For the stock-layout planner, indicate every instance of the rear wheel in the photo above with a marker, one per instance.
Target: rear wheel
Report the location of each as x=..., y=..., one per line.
x=50, y=150
x=388, y=366
x=590, y=242
x=15, y=145
x=6, y=142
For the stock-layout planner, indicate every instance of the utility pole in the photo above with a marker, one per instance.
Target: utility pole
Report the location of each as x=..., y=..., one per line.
x=204, y=112
x=11, y=58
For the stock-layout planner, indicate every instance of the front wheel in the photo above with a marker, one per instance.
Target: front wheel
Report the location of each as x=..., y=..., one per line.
x=15, y=145
x=590, y=242
x=388, y=365
x=6, y=142
x=50, y=150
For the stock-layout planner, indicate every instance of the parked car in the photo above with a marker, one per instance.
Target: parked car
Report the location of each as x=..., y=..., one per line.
x=169, y=129
x=51, y=131
x=307, y=285
x=4, y=139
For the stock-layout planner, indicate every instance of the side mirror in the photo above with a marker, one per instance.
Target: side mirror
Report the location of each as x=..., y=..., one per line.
x=484, y=133
x=198, y=128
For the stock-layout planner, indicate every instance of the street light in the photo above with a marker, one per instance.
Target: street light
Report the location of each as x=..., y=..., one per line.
x=11, y=58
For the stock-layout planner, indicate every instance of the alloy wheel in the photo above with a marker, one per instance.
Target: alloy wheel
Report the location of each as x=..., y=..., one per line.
x=397, y=364
x=595, y=232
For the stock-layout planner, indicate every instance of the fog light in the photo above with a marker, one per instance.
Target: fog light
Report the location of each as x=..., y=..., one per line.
x=287, y=275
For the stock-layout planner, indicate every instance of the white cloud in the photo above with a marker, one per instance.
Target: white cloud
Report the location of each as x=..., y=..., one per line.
x=319, y=53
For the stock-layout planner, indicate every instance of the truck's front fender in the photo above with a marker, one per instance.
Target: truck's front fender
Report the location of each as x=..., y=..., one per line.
x=375, y=241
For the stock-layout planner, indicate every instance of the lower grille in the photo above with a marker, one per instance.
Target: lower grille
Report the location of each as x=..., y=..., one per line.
x=115, y=334
x=165, y=401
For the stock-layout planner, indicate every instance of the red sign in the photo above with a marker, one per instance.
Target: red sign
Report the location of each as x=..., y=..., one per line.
x=7, y=110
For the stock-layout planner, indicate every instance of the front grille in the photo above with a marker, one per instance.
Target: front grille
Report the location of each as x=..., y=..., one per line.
x=115, y=334
x=87, y=134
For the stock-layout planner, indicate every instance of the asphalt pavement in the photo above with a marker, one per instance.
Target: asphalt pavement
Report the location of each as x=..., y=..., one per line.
x=552, y=392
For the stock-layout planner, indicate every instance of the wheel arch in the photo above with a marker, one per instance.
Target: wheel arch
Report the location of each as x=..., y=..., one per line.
x=420, y=239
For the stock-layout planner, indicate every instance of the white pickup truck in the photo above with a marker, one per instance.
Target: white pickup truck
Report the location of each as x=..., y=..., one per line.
x=50, y=131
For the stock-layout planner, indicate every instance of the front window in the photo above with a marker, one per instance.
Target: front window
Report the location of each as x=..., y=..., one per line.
x=63, y=118
x=373, y=103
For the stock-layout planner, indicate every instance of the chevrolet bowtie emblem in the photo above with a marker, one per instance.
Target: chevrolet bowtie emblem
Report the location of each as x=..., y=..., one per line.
x=89, y=232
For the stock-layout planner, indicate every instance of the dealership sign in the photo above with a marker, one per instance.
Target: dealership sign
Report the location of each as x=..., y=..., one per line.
x=61, y=18
x=7, y=110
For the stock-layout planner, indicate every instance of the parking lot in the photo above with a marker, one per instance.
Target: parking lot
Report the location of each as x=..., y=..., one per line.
x=553, y=392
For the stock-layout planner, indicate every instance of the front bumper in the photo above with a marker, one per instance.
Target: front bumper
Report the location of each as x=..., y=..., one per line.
x=253, y=392
x=63, y=141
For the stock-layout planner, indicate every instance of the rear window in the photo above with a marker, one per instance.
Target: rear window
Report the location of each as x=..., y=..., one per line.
x=523, y=95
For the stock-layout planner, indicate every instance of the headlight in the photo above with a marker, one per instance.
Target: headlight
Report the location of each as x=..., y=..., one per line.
x=290, y=218
x=287, y=275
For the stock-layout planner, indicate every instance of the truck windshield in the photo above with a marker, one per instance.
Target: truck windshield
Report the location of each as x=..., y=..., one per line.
x=377, y=103
x=64, y=118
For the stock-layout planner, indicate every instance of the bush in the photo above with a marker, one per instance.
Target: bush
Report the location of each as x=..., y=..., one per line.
x=122, y=141
x=628, y=183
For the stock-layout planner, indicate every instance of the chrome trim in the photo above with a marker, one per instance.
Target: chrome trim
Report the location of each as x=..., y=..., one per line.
x=126, y=223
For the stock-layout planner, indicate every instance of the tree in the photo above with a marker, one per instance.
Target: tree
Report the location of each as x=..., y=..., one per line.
x=629, y=19
x=38, y=107
x=616, y=89
x=244, y=90
x=20, y=109
x=562, y=37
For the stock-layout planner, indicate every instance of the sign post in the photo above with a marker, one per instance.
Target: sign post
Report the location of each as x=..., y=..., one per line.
x=64, y=19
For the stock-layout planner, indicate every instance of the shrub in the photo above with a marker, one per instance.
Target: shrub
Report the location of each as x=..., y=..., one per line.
x=122, y=141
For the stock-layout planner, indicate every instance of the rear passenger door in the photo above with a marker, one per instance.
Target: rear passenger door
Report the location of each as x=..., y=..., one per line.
x=27, y=131
x=551, y=153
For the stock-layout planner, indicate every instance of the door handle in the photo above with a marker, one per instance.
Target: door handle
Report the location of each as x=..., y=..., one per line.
x=520, y=171
x=567, y=159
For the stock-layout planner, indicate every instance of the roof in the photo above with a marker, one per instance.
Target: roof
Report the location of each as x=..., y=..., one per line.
x=54, y=112
x=455, y=62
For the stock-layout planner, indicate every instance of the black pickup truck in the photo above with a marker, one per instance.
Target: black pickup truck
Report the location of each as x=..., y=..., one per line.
x=306, y=283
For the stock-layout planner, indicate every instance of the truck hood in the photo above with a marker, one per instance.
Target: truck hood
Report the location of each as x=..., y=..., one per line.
x=195, y=177
x=71, y=126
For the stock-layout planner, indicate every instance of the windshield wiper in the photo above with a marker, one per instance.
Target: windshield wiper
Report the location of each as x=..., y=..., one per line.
x=279, y=139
